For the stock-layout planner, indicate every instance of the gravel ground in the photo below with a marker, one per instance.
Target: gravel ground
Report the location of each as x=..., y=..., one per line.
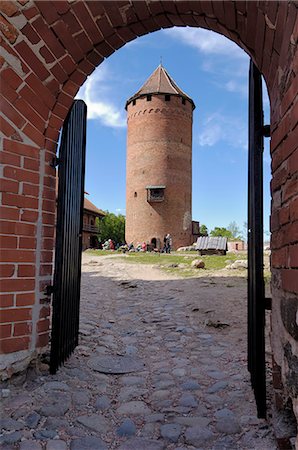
x=182, y=344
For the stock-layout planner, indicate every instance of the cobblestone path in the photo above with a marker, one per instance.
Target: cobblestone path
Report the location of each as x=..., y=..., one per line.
x=191, y=391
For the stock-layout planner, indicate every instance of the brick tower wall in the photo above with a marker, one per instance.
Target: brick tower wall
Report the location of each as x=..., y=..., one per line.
x=159, y=152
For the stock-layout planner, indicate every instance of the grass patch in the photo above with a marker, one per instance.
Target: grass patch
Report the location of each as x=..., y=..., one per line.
x=163, y=260
x=100, y=252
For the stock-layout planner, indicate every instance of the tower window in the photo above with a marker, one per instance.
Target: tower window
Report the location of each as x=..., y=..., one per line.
x=149, y=98
x=155, y=193
x=135, y=194
x=167, y=98
x=183, y=101
x=133, y=102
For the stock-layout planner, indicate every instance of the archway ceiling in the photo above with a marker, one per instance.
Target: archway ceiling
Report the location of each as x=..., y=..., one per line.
x=60, y=43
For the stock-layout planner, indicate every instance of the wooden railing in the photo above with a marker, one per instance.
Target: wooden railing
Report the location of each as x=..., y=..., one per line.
x=90, y=228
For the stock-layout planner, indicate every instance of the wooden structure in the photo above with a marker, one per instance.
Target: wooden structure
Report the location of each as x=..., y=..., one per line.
x=90, y=229
x=212, y=245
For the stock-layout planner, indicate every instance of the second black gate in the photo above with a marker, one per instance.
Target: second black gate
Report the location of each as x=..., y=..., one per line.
x=67, y=273
x=256, y=289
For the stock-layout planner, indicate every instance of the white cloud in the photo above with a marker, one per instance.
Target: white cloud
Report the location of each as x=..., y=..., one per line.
x=221, y=128
x=237, y=87
x=207, y=42
x=219, y=56
x=96, y=93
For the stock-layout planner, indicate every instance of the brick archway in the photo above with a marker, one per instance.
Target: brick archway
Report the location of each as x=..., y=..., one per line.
x=48, y=50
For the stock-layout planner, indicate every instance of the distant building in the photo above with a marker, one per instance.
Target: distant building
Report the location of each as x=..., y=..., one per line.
x=237, y=246
x=212, y=245
x=159, y=163
x=90, y=229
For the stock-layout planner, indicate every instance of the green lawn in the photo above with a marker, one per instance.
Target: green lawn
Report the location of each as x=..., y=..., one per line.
x=164, y=260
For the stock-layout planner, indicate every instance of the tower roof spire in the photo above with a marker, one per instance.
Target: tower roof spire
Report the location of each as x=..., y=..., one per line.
x=160, y=82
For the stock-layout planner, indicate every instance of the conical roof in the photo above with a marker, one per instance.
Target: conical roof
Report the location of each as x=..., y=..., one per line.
x=160, y=82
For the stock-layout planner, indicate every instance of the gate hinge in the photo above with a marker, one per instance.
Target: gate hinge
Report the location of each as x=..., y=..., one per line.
x=266, y=131
x=268, y=303
x=55, y=162
x=49, y=289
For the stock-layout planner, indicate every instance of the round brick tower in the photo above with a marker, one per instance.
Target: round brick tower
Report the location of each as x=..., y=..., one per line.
x=159, y=163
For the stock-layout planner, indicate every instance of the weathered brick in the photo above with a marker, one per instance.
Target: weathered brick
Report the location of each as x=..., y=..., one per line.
x=89, y=24
x=11, y=113
x=16, y=314
x=31, y=164
x=290, y=188
x=42, y=340
x=34, y=134
x=10, y=159
x=61, y=6
x=21, y=175
x=20, y=148
x=11, y=77
x=32, y=60
x=22, y=329
x=29, y=113
x=6, y=270
x=289, y=278
x=30, y=189
x=26, y=270
x=8, y=130
x=6, y=300
x=8, y=30
x=14, y=344
x=5, y=331
x=279, y=258
x=44, y=312
x=27, y=242
x=67, y=40
x=43, y=325
x=8, y=242
x=49, y=13
x=293, y=256
x=9, y=213
x=31, y=12
x=40, y=90
x=9, y=8
x=23, y=229
x=68, y=64
x=26, y=299
x=32, y=101
x=19, y=200
x=30, y=33
x=47, y=55
x=45, y=269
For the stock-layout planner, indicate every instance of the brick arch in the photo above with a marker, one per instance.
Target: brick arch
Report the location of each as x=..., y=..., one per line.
x=48, y=50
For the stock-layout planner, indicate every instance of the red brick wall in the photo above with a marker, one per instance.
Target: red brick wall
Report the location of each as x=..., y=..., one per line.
x=159, y=153
x=48, y=49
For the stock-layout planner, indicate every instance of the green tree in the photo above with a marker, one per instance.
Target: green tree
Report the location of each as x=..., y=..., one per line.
x=235, y=230
x=112, y=227
x=221, y=231
x=203, y=230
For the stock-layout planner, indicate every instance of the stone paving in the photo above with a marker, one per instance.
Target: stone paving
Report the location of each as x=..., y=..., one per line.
x=191, y=390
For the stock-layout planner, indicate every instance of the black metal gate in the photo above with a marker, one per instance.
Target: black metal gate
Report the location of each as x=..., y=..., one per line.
x=256, y=288
x=67, y=274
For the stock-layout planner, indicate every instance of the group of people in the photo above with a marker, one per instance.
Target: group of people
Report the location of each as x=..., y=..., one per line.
x=108, y=245
x=140, y=247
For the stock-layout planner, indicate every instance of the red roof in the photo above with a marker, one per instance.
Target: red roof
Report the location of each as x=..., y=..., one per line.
x=160, y=82
x=88, y=206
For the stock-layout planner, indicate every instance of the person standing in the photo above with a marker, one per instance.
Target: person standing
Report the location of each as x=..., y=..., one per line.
x=168, y=243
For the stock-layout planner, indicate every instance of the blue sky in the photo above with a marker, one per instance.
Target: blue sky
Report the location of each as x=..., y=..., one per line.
x=213, y=71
